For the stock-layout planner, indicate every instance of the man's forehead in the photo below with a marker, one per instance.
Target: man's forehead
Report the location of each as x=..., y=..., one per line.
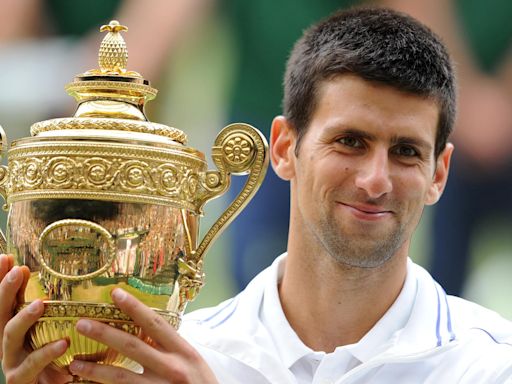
x=345, y=98
x=377, y=85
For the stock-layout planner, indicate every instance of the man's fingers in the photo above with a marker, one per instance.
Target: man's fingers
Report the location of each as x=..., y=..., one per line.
x=36, y=362
x=20, y=297
x=7, y=264
x=152, y=324
x=4, y=266
x=9, y=287
x=16, y=329
x=106, y=374
x=175, y=360
x=123, y=342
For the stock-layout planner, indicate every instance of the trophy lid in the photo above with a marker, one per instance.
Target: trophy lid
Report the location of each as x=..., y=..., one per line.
x=110, y=99
x=108, y=150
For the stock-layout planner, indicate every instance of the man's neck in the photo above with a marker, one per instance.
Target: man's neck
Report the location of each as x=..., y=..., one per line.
x=329, y=305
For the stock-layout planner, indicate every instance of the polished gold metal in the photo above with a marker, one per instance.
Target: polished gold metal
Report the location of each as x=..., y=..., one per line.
x=108, y=199
x=52, y=238
x=99, y=123
x=113, y=56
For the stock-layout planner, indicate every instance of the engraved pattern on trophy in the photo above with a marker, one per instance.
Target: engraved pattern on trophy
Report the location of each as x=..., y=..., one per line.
x=107, y=199
x=238, y=150
x=105, y=123
x=92, y=170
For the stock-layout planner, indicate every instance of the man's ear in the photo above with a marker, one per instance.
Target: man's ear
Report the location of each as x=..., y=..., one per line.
x=440, y=175
x=282, y=146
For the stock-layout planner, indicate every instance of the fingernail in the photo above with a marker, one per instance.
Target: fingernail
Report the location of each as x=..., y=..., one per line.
x=83, y=326
x=13, y=275
x=61, y=345
x=34, y=306
x=119, y=295
x=76, y=366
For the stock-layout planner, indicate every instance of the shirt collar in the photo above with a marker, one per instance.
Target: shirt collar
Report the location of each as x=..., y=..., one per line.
x=288, y=345
x=290, y=348
x=385, y=332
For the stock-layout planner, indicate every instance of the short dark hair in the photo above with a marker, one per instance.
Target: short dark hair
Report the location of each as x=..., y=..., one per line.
x=376, y=44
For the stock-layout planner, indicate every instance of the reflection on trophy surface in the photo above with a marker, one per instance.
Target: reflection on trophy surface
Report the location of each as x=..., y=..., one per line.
x=108, y=199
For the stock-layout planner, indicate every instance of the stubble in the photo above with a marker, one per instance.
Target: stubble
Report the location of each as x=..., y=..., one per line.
x=364, y=249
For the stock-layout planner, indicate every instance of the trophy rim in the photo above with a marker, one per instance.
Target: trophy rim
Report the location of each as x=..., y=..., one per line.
x=105, y=127
x=83, y=309
x=169, y=146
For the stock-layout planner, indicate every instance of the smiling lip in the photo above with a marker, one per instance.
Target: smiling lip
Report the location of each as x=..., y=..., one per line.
x=367, y=212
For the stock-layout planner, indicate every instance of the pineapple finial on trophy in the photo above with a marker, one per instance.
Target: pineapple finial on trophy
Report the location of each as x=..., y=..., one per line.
x=113, y=54
x=111, y=91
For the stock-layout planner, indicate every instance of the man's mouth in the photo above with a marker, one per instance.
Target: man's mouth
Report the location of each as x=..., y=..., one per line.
x=367, y=211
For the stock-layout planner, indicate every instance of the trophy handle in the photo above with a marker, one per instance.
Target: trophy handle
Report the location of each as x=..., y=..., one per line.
x=238, y=149
x=4, y=171
x=93, y=227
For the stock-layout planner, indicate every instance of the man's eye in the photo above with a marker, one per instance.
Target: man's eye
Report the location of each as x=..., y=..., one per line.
x=406, y=151
x=351, y=142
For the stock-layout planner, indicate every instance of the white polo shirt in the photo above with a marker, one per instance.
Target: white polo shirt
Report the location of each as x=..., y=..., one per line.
x=424, y=337
x=309, y=366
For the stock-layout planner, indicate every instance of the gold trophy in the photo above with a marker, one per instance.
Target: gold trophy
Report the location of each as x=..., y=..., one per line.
x=109, y=199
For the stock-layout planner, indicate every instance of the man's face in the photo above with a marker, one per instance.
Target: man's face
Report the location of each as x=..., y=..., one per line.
x=364, y=171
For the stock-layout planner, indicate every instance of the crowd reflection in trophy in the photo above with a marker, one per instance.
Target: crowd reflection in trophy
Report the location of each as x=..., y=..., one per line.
x=148, y=240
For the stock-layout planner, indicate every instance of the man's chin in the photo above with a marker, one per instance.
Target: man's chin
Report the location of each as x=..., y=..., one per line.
x=362, y=251
x=362, y=263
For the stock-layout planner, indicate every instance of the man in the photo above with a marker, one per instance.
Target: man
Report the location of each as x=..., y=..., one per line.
x=369, y=104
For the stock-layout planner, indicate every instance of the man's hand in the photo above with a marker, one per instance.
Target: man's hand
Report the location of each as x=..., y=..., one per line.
x=18, y=364
x=170, y=360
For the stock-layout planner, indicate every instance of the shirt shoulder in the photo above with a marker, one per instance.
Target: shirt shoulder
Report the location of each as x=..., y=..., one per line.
x=484, y=343
x=471, y=319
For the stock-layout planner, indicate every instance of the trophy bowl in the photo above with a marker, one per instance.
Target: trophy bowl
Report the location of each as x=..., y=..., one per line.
x=108, y=199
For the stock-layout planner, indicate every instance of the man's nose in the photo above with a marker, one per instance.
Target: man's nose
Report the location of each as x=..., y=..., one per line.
x=374, y=174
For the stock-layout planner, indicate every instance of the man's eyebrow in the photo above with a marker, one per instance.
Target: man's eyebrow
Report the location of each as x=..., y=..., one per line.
x=354, y=132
